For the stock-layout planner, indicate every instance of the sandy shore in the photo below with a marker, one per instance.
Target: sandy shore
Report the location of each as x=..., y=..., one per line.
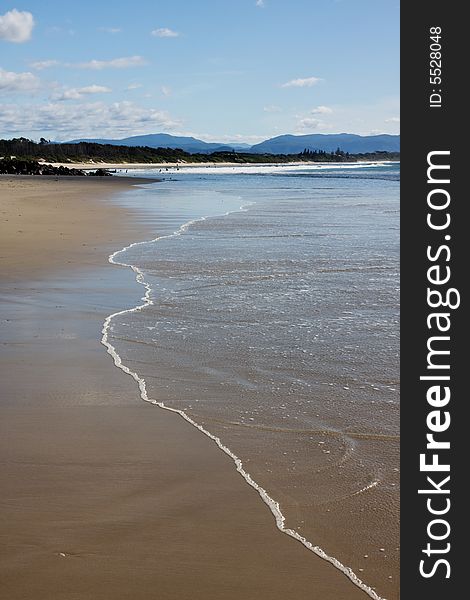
x=57, y=222
x=93, y=166
x=130, y=166
x=104, y=496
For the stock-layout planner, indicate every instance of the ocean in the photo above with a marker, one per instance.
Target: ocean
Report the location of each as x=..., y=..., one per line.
x=271, y=322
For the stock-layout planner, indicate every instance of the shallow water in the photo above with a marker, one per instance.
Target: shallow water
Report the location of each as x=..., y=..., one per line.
x=275, y=327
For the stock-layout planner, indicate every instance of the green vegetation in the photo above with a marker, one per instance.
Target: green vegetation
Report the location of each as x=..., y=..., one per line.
x=24, y=149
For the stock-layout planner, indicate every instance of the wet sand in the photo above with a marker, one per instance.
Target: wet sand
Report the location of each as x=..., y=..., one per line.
x=171, y=166
x=55, y=222
x=105, y=496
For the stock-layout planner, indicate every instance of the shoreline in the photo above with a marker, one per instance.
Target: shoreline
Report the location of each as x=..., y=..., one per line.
x=131, y=166
x=167, y=503
x=271, y=503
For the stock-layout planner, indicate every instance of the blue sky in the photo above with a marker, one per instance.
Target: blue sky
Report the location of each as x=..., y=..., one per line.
x=221, y=70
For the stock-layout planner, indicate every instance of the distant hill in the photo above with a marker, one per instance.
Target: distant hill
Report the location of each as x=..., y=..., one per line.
x=283, y=144
x=165, y=140
x=24, y=149
x=347, y=142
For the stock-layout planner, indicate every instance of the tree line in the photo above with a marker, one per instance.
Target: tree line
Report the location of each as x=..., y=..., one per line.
x=25, y=149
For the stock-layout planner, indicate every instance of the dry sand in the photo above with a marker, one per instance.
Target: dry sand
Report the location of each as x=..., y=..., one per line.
x=104, y=496
x=91, y=166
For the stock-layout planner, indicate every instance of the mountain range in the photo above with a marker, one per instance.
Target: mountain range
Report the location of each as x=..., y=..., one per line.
x=165, y=140
x=282, y=144
x=347, y=142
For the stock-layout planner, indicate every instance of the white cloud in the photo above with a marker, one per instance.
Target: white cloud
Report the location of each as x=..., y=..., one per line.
x=164, y=32
x=16, y=26
x=134, y=86
x=44, y=64
x=94, y=89
x=71, y=94
x=310, y=123
x=115, y=63
x=260, y=3
x=272, y=108
x=321, y=110
x=61, y=120
x=393, y=120
x=18, y=82
x=79, y=93
x=125, y=62
x=305, y=82
x=166, y=90
x=110, y=29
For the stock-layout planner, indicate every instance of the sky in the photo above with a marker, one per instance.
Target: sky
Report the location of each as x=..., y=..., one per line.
x=219, y=70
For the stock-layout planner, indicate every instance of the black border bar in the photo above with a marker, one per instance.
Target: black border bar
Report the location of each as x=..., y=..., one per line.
x=434, y=254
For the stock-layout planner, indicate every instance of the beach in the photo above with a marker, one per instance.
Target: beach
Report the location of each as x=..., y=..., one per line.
x=176, y=166
x=92, y=165
x=106, y=496
x=272, y=324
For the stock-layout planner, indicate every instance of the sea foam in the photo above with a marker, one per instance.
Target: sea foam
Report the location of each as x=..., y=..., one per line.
x=271, y=503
